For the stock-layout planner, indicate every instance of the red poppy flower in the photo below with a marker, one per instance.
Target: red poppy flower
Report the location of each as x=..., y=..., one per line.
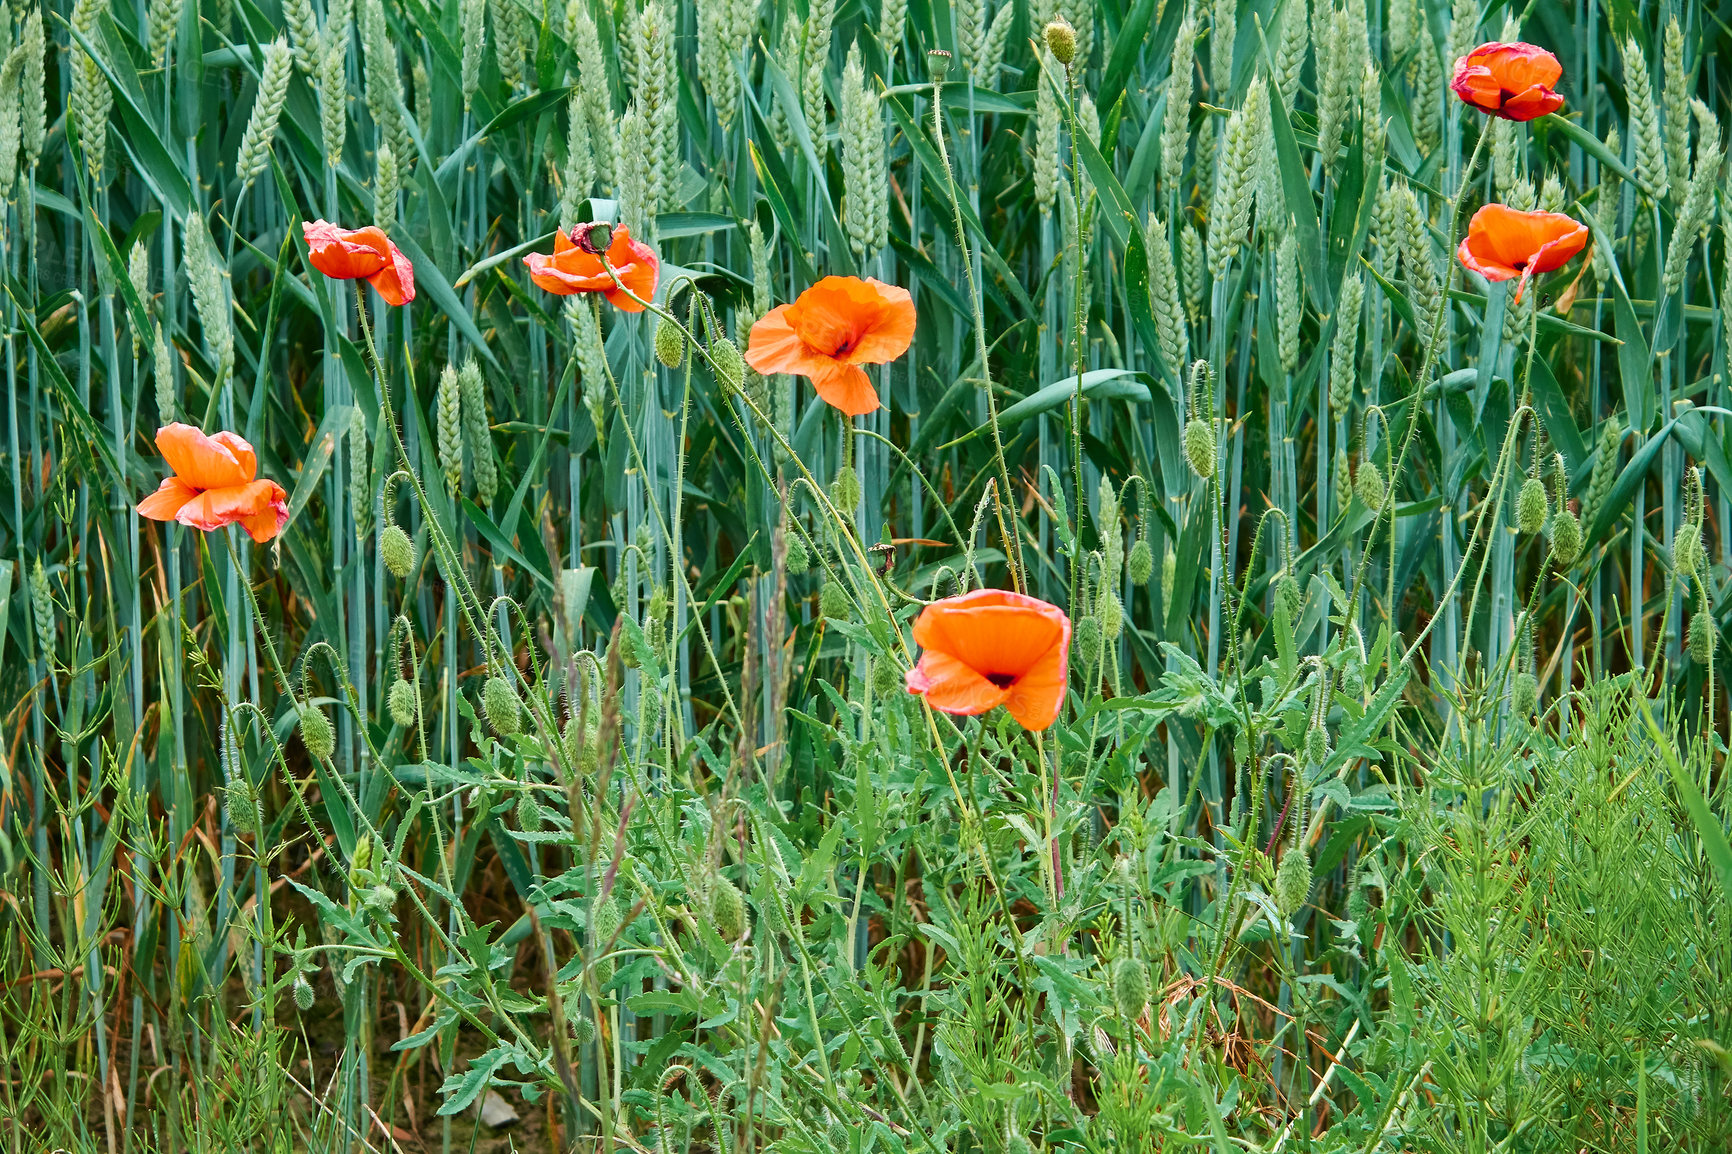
x=991, y=648
x=574, y=269
x=1503, y=243
x=1513, y=81
x=833, y=328
x=361, y=253
x=214, y=484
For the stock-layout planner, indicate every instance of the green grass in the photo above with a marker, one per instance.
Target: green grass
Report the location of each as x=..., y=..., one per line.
x=1372, y=821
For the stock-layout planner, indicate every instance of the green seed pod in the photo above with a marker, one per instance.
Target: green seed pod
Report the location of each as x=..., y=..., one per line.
x=670, y=345
x=582, y=1029
x=1317, y=745
x=1112, y=615
x=603, y=925
x=241, y=800
x=1130, y=987
x=1687, y=549
x=1292, y=880
x=400, y=702
x=1287, y=597
x=303, y=993
x=317, y=735
x=833, y=601
x=397, y=550
x=1566, y=538
x=886, y=678
x=845, y=489
x=727, y=909
x=1701, y=637
x=1524, y=695
x=1169, y=574
x=1088, y=641
x=1531, y=506
x=798, y=560
x=1369, y=487
x=1141, y=564
x=730, y=367
x=499, y=701
x=1200, y=447
x=1061, y=41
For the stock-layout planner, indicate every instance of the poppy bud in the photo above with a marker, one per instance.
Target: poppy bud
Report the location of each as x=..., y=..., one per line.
x=1292, y=881
x=1566, y=538
x=1061, y=41
x=886, y=679
x=730, y=366
x=1687, y=549
x=836, y=1133
x=1169, y=574
x=1088, y=641
x=1287, y=597
x=1531, y=506
x=400, y=701
x=316, y=733
x=303, y=993
x=1317, y=745
x=1524, y=695
x=1701, y=637
x=727, y=909
x=571, y=741
x=1368, y=485
x=528, y=813
x=670, y=345
x=797, y=560
x=604, y=922
x=397, y=550
x=845, y=489
x=380, y=899
x=1358, y=907
x=1130, y=987
x=241, y=802
x=1112, y=616
x=502, y=706
x=1200, y=447
x=582, y=1030
x=833, y=601
x=1141, y=564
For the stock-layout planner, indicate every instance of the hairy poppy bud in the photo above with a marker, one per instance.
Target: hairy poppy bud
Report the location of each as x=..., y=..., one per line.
x=727, y=909
x=1317, y=745
x=1112, y=615
x=1566, y=538
x=604, y=923
x=798, y=560
x=1701, y=637
x=730, y=366
x=1369, y=487
x=1088, y=641
x=670, y=345
x=241, y=801
x=1061, y=41
x=1531, y=506
x=833, y=601
x=400, y=701
x=502, y=706
x=1287, y=597
x=1141, y=563
x=528, y=813
x=1130, y=986
x=582, y=1030
x=886, y=678
x=317, y=735
x=845, y=489
x=1524, y=694
x=1687, y=549
x=1169, y=575
x=1292, y=881
x=303, y=993
x=1200, y=447
x=397, y=550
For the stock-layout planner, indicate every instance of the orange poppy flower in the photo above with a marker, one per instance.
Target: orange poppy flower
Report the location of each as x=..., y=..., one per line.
x=1504, y=242
x=361, y=253
x=574, y=267
x=833, y=328
x=990, y=648
x=1513, y=81
x=214, y=484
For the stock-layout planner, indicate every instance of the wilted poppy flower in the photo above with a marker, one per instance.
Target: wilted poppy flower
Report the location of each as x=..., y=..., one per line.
x=361, y=253
x=574, y=268
x=990, y=648
x=214, y=484
x=1503, y=242
x=833, y=328
x=1513, y=81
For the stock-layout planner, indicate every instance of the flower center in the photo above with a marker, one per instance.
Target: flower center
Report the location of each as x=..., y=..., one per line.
x=1002, y=680
x=843, y=349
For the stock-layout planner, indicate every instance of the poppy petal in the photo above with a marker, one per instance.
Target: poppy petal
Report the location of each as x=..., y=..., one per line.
x=845, y=388
x=163, y=504
x=205, y=462
x=888, y=328
x=261, y=505
x=396, y=281
x=994, y=631
x=1531, y=104
x=343, y=253
x=950, y=686
x=774, y=346
x=1038, y=695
